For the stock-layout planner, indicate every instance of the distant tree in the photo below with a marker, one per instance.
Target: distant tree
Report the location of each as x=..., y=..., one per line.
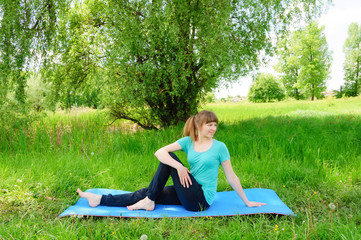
x=36, y=92
x=352, y=64
x=304, y=61
x=315, y=60
x=339, y=93
x=265, y=88
x=289, y=64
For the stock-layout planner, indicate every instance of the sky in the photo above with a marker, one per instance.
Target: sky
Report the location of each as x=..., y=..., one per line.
x=336, y=21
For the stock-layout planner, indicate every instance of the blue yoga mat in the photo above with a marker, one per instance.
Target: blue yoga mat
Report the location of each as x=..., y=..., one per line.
x=225, y=204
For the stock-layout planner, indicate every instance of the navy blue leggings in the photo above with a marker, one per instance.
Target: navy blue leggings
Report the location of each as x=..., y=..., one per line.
x=191, y=198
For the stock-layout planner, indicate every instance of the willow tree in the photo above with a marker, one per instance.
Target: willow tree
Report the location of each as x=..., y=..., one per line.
x=74, y=62
x=164, y=55
x=26, y=29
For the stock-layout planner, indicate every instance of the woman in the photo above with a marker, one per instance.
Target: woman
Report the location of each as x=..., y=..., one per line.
x=194, y=189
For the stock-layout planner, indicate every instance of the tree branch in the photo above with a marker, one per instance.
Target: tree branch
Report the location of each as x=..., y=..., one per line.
x=119, y=115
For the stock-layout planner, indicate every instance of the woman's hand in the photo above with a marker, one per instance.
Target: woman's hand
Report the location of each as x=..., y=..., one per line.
x=255, y=204
x=184, y=177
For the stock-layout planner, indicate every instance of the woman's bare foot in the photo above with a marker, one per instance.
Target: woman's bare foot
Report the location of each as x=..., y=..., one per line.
x=93, y=199
x=144, y=204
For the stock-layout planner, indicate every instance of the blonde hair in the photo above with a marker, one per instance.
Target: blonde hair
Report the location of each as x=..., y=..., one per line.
x=190, y=128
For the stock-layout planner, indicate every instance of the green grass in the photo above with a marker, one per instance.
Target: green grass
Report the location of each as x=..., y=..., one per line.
x=308, y=152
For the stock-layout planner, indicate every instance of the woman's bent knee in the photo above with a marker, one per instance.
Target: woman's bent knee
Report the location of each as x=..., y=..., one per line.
x=196, y=208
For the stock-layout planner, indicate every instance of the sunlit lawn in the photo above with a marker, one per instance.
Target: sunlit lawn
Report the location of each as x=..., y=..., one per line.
x=308, y=152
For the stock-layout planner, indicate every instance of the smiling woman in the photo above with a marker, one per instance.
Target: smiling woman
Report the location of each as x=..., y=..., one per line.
x=195, y=189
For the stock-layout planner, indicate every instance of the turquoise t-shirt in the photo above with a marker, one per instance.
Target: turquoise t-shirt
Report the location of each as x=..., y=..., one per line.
x=204, y=165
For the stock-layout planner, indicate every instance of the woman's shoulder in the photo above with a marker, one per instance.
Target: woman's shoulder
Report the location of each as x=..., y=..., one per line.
x=184, y=140
x=185, y=143
x=222, y=151
x=219, y=143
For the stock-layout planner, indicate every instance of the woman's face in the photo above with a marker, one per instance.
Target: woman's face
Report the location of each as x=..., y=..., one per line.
x=207, y=130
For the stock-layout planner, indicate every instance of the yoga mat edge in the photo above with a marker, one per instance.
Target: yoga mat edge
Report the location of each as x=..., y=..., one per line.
x=225, y=204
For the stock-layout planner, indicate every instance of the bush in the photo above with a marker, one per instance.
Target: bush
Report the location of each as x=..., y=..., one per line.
x=265, y=88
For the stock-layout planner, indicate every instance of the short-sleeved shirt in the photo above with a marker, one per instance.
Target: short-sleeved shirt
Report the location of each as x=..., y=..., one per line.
x=204, y=166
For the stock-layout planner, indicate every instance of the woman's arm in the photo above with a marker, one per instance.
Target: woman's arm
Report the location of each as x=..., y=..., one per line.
x=163, y=156
x=236, y=185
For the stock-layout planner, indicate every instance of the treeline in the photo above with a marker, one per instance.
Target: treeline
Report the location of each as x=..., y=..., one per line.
x=304, y=65
x=151, y=62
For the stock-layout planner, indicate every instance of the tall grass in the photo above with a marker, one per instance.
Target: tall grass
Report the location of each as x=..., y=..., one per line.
x=308, y=152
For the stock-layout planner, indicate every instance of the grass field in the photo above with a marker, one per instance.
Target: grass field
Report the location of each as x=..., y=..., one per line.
x=308, y=152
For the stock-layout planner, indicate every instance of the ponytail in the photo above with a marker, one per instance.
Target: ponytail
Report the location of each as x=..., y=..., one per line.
x=190, y=128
